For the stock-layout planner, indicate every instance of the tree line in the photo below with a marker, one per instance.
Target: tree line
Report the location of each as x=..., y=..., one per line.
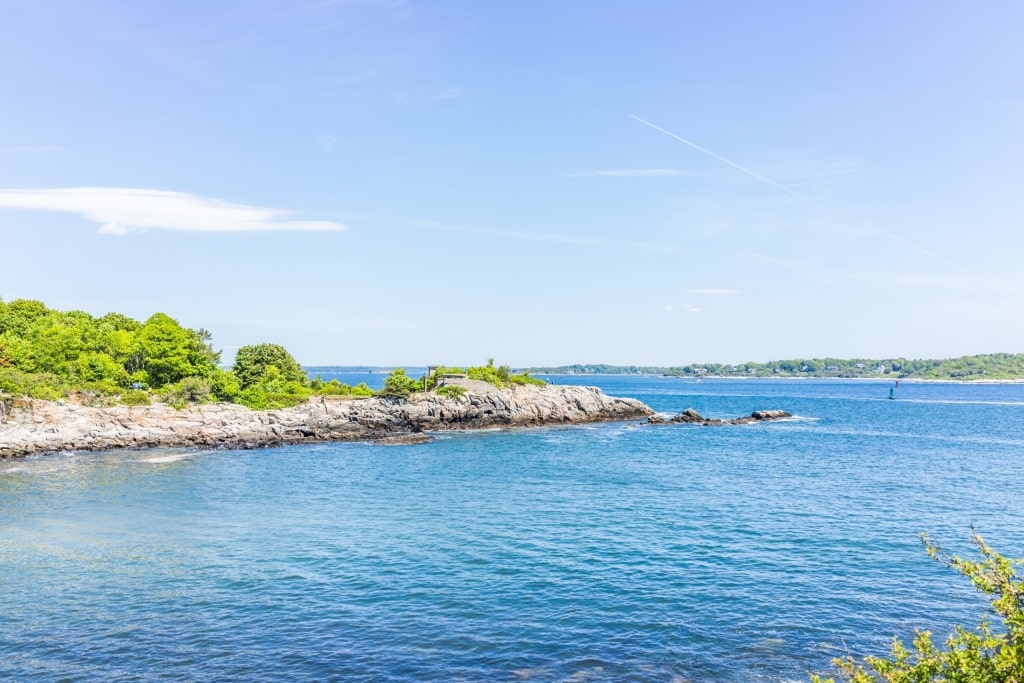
x=55, y=355
x=966, y=368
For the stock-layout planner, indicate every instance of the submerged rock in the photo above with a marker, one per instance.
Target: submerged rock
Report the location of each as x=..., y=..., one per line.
x=35, y=426
x=403, y=440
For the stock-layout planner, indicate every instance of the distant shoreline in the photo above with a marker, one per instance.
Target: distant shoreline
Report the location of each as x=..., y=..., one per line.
x=877, y=380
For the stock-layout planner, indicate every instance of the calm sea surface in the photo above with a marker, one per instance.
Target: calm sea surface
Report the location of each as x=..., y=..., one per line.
x=600, y=553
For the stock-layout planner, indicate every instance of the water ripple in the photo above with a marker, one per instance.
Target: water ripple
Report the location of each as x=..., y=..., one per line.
x=604, y=553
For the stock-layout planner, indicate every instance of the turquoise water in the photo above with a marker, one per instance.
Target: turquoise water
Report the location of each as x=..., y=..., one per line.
x=599, y=553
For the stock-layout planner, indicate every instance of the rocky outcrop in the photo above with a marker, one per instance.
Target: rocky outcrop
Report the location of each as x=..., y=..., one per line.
x=691, y=416
x=32, y=426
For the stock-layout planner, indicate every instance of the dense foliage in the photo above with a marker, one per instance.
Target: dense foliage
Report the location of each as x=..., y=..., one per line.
x=48, y=354
x=399, y=385
x=990, y=366
x=501, y=376
x=269, y=377
x=452, y=391
x=336, y=388
x=251, y=363
x=979, y=656
x=52, y=354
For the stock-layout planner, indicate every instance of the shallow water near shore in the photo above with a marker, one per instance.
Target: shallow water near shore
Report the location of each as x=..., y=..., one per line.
x=596, y=553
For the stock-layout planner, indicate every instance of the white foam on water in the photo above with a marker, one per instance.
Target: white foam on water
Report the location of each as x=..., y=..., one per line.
x=175, y=457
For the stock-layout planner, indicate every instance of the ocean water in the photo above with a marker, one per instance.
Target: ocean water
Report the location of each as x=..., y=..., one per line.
x=612, y=552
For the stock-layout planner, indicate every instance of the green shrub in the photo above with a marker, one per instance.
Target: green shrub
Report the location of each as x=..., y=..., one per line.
x=253, y=397
x=524, y=378
x=486, y=373
x=224, y=385
x=451, y=391
x=274, y=391
x=276, y=401
x=445, y=370
x=362, y=390
x=42, y=385
x=332, y=388
x=134, y=397
x=501, y=375
x=103, y=388
x=258, y=398
x=186, y=391
x=978, y=656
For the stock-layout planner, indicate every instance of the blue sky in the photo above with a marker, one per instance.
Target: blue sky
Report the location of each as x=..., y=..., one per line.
x=389, y=181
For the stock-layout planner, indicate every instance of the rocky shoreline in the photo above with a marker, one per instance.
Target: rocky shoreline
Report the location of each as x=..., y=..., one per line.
x=33, y=426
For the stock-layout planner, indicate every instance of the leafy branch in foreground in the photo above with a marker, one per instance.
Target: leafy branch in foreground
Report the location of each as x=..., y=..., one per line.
x=978, y=656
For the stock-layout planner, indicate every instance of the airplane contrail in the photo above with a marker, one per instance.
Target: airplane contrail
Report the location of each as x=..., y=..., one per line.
x=894, y=237
x=718, y=156
x=901, y=240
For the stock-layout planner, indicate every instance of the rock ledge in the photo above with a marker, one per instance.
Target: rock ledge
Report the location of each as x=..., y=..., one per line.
x=34, y=426
x=691, y=416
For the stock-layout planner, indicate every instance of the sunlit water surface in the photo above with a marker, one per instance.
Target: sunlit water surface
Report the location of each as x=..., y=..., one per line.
x=597, y=553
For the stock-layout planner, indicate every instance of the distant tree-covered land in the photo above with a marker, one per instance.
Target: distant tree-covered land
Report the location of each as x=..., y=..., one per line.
x=990, y=366
x=54, y=355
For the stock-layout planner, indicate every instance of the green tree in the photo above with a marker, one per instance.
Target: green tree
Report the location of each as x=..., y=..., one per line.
x=978, y=656
x=58, y=340
x=118, y=339
x=17, y=316
x=170, y=352
x=251, y=363
x=400, y=385
x=99, y=367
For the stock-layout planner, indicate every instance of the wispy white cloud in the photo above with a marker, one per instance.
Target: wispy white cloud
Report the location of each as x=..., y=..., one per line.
x=631, y=173
x=556, y=238
x=121, y=211
x=552, y=237
x=713, y=291
x=965, y=283
x=328, y=141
